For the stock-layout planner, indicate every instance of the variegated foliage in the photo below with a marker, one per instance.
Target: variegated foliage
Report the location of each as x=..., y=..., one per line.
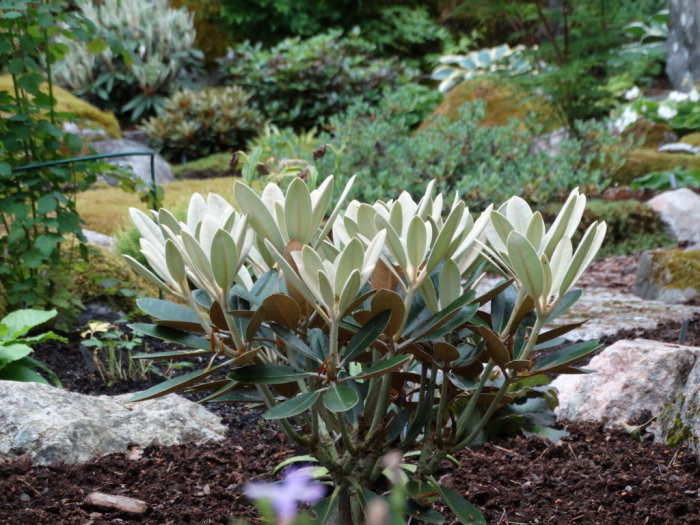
x=359, y=325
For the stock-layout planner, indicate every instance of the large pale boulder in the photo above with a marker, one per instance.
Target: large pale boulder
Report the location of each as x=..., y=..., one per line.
x=49, y=424
x=679, y=422
x=680, y=211
x=672, y=276
x=141, y=164
x=631, y=378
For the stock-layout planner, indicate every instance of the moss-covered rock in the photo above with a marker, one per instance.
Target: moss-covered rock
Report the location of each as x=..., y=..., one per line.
x=68, y=103
x=650, y=134
x=503, y=100
x=669, y=275
x=692, y=138
x=217, y=165
x=642, y=161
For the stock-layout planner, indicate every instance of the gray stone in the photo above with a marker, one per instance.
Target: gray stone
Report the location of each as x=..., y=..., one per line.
x=680, y=211
x=683, y=61
x=99, y=239
x=631, y=379
x=679, y=422
x=607, y=312
x=656, y=279
x=549, y=144
x=140, y=164
x=49, y=424
x=680, y=147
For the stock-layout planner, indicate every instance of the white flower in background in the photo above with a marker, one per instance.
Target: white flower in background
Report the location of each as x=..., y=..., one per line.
x=629, y=116
x=694, y=96
x=666, y=112
x=678, y=96
x=632, y=93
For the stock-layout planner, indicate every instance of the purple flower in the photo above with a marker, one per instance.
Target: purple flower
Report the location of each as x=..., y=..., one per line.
x=297, y=487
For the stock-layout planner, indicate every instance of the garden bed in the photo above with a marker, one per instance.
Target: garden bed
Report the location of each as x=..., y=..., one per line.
x=595, y=475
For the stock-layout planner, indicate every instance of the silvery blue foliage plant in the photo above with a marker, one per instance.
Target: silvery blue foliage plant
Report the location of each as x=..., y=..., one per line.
x=359, y=327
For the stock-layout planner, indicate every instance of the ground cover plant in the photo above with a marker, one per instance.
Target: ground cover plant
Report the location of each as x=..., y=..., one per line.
x=369, y=339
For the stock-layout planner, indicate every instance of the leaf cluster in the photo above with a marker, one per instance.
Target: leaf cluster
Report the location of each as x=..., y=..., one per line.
x=298, y=82
x=194, y=124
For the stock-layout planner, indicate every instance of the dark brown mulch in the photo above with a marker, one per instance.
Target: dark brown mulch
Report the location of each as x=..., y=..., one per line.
x=595, y=476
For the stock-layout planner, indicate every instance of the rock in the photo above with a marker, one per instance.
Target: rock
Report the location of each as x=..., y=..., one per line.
x=672, y=276
x=683, y=61
x=549, y=143
x=640, y=162
x=631, y=378
x=680, y=211
x=679, y=147
x=607, y=312
x=51, y=425
x=503, y=102
x=99, y=239
x=88, y=116
x=117, y=503
x=679, y=422
x=141, y=164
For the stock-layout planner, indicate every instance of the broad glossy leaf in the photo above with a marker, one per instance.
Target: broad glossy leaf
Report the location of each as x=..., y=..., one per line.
x=282, y=309
x=167, y=311
x=555, y=333
x=258, y=214
x=566, y=356
x=417, y=239
x=340, y=398
x=466, y=513
x=388, y=300
x=13, y=352
x=564, y=303
x=21, y=371
x=443, y=316
x=365, y=336
x=177, y=383
x=385, y=366
x=267, y=374
x=526, y=264
x=292, y=461
x=493, y=292
x=171, y=334
x=495, y=347
x=298, y=211
x=293, y=407
x=445, y=352
x=296, y=344
x=224, y=259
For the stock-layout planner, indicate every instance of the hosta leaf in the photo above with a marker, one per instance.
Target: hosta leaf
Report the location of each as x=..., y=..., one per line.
x=20, y=322
x=13, y=352
x=293, y=407
x=340, y=398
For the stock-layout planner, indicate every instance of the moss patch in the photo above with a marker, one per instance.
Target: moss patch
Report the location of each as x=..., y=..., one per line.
x=216, y=165
x=693, y=139
x=651, y=134
x=105, y=210
x=641, y=161
x=68, y=103
x=504, y=101
x=678, y=268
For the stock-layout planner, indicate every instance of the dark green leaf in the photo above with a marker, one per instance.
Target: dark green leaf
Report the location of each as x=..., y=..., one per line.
x=564, y=304
x=384, y=367
x=466, y=513
x=171, y=334
x=566, y=356
x=293, y=407
x=176, y=384
x=294, y=343
x=340, y=398
x=267, y=374
x=366, y=335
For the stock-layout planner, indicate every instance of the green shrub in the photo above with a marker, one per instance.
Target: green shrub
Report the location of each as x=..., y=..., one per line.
x=156, y=55
x=299, y=82
x=482, y=164
x=194, y=124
